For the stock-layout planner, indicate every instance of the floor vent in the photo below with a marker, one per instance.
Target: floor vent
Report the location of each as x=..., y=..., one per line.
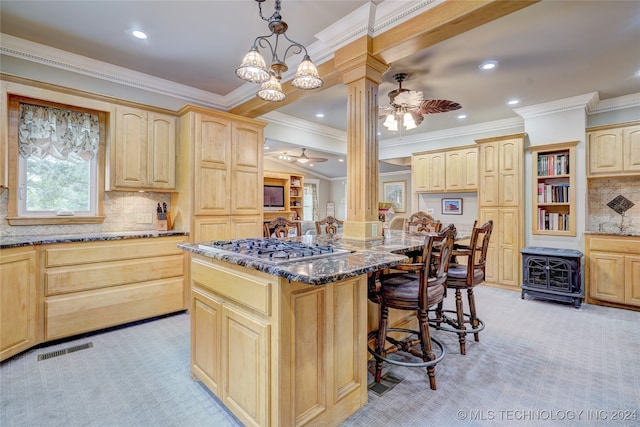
x=64, y=351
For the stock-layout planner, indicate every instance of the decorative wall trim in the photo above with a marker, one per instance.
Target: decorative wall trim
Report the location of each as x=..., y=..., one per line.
x=613, y=104
x=585, y=102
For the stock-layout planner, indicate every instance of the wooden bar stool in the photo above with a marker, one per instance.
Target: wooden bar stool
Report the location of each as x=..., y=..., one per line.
x=417, y=286
x=281, y=227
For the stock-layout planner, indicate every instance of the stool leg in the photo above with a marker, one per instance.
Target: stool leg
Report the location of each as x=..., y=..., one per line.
x=425, y=342
x=472, y=312
x=381, y=339
x=460, y=314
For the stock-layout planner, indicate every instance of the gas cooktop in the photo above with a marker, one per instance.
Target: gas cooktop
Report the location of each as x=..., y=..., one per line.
x=272, y=251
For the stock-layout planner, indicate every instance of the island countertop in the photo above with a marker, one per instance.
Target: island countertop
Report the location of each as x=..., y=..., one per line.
x=19, y=241
x=364, y=257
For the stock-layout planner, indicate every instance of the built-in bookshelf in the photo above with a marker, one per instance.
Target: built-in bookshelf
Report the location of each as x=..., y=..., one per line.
x=554, y=191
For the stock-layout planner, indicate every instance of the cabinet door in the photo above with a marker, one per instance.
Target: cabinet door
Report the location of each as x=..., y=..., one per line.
x=419, y=173
x=454, y=170
x=508, y=229
x=211, y=228
x=492, y=264
x=206, y=360
x=162, y=152
x=470, y=169
x=606, y=277
x=18, y=300
x=246, y=169
x=632, y=280
x=489, y=175
x=213, y=164
x=246, y=226
x=631, y=145
x=245, y=366
x=605, y=152
x=510, y=152
x=130, y=147
x=435, y=172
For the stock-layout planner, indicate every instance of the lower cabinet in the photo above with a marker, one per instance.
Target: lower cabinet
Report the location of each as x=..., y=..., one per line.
x=503, y=256
x=95, y=285
x=18, y=300
x=613, y=270
x=277, y=352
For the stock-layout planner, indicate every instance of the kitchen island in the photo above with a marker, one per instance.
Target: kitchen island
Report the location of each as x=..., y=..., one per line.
x=286, y=344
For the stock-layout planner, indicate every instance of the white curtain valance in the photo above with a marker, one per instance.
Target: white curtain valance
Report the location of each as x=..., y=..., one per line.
x=48, y=131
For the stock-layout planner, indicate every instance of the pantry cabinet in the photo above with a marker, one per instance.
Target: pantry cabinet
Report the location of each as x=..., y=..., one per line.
x=220, y=175
x=143, y=152
x=613, y=270
x=18, y=300
x=500, y=198
x=613, y=151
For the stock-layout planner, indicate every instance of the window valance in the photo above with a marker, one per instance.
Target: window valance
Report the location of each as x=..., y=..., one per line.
x=48, y=131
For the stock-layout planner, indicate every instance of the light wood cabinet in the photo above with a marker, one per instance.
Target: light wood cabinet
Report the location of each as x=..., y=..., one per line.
x=554, y=189
x=219, y=175
x=278, y=352
x=613, y=150
x=18, y=300
x=143, y=152
x=500, y=191
x=93, y=285
x=613, y=270
x=461, y=167
x=445, y=171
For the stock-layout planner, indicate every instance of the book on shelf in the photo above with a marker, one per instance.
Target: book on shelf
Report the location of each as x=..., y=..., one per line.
x=553, y=193
x=553, y=164
x=552, y=221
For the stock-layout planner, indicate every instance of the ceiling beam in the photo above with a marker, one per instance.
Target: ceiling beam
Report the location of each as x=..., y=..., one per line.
x=429, y=28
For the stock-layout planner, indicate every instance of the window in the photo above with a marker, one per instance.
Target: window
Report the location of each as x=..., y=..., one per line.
x=59, y=153
x=310, y=201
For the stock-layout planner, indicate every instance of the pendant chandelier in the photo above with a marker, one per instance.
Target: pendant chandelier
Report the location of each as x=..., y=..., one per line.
x=253, y=68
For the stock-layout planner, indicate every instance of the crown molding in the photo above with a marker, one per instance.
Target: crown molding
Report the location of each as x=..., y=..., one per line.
x=304, y=125
x=496, y=125
x=585, y=102
x=613, y=104
x=35, y=52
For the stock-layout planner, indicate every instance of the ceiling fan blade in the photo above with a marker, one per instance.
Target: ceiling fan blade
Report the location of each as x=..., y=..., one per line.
x=409, y=99
x=432, y=106
x=317, y=159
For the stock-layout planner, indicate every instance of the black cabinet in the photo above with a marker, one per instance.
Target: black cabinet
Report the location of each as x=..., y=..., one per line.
x=551, y=273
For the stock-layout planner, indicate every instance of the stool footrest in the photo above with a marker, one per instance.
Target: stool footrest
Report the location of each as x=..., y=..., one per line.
x=449, y=324
x=422, y=363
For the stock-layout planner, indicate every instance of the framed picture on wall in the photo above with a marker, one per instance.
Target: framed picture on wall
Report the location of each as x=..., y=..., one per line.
x=452, y=206
x=395, y=192
x=331, y=209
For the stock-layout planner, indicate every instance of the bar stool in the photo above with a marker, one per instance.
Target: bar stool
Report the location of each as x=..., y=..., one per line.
x=465, y=276
x=281, y=227
x=417, y=286
x=328, y=226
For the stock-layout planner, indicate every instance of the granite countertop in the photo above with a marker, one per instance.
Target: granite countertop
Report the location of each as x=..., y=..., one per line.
x=18, y=241
x=364, y=257
x=633, y=233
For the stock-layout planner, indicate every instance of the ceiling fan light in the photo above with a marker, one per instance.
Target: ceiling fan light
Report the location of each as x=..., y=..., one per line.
x=303, y=160
x=307, y=76
x=253, y=68
x=271, y=90
x=408, y=122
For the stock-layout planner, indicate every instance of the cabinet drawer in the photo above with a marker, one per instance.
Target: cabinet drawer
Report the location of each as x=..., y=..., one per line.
x=89, y=311
x=252, y=291
x=101, y=275
x=601, y=244
x=82, y=253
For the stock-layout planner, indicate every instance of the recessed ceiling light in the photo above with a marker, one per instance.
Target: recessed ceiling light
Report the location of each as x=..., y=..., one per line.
x=320, y=115
x=341, y=160
x=310, y=164
x=488, y=65
x=514, y=102
x=462, y=116
x=139, y=34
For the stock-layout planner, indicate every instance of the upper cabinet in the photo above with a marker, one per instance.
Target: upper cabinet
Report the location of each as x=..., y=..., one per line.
x=500, y=172
x=554, y=189
x=143, y=152
x=445, y=171
x=613, y=151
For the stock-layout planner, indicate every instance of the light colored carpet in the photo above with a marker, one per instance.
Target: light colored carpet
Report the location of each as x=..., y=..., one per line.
x=537, y=363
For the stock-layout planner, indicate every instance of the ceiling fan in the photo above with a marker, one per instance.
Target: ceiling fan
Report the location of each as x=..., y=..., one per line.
x=302, y=158
x=408, y=107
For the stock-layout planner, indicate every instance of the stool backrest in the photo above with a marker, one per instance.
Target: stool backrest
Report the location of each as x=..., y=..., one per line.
x=422, y=222
x=328, y=225
x=281, y=227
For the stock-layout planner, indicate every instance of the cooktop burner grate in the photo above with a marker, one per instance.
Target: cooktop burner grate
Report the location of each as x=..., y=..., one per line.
x=272, y=250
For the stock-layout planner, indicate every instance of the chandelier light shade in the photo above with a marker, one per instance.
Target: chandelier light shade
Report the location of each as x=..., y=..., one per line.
x=254, y=69
x=271, y=90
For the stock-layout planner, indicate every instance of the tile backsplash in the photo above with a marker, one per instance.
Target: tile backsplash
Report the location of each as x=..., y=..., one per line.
x=601, y=217
x=121, y=210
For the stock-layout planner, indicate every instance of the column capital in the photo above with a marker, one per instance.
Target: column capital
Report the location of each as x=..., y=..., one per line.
x=355, y=62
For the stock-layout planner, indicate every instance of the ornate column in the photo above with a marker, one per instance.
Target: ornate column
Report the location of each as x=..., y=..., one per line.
x=362, y=74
